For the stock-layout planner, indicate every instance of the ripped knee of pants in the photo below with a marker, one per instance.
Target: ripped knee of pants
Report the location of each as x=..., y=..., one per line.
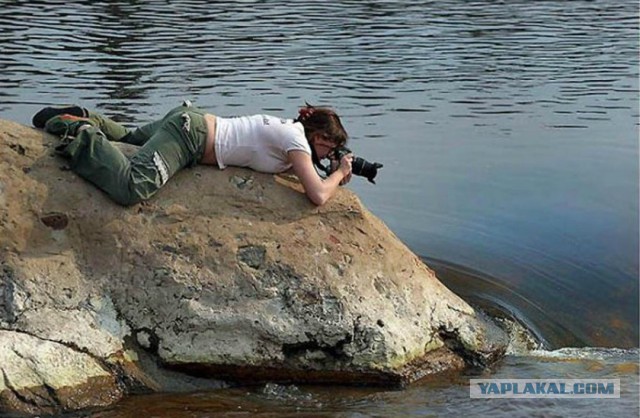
x=186, y=122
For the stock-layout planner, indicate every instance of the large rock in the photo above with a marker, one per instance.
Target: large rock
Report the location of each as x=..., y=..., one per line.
x=224, y=274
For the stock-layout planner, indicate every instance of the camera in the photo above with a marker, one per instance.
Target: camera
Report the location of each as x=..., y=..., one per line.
x=359, y=166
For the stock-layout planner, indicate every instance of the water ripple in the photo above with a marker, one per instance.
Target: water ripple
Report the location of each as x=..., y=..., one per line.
x=482, y=109
x=391, y=46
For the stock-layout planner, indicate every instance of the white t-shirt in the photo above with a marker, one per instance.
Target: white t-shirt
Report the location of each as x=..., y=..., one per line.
x=260, y=142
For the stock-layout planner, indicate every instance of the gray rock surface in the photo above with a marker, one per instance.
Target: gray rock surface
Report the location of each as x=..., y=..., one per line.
x=224, y=274
x=45, y=376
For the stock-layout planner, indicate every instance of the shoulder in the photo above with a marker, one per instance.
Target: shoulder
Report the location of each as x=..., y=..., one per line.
x=285, y=130
x=296, y=139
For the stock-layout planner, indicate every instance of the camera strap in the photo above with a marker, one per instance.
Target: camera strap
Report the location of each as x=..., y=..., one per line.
x=316, y=161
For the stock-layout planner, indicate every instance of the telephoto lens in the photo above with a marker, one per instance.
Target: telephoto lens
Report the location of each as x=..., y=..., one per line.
x=362, y=167
x=359, y=166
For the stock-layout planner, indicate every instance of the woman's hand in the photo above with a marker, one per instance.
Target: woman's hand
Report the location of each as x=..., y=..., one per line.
x=319, y=190
x=345, y=167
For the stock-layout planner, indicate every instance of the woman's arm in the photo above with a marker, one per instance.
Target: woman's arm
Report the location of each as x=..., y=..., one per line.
x=318, y=190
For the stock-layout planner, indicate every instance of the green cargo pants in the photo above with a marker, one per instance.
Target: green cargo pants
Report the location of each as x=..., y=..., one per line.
x=167, y=145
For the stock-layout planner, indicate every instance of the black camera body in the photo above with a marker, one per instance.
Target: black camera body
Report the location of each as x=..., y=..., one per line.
x=359, y=166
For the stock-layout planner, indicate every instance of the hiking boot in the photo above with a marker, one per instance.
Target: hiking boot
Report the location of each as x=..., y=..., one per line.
x=67, y=126
x=40, y=119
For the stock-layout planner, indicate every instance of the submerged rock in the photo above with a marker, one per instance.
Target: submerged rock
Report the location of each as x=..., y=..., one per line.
x=228, y=274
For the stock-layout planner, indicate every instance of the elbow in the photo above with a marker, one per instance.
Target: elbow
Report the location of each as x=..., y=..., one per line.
x=318, y=199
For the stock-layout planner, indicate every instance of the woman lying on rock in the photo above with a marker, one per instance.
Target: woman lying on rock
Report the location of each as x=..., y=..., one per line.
x=187, y=136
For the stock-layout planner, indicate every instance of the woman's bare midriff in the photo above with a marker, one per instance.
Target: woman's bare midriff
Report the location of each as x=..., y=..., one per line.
x=209, y=156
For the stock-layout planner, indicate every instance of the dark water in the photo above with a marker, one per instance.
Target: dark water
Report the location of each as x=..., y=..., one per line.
x=443, y=398
x=508, y=130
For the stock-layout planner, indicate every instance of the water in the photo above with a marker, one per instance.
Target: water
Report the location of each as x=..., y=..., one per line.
x=508, y=130
x=442, y=398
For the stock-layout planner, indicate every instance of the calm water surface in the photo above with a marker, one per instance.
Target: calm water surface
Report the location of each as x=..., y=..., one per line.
x=508, y=130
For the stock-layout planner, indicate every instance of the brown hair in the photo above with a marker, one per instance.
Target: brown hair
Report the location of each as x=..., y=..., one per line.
x=322, y=120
